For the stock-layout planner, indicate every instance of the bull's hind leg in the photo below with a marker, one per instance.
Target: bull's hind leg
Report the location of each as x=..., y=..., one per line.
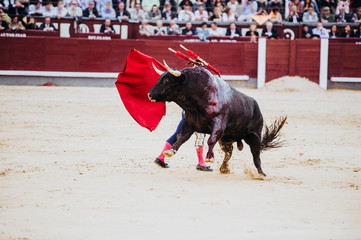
x=254, y=143
x=227, y=148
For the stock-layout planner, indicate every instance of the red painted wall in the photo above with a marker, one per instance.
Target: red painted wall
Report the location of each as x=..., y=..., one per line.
x=345, y=59
x=83, y=55
x=294, y=58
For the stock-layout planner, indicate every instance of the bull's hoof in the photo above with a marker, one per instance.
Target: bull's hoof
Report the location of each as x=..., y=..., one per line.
x=161, y=163
x=224, y=170
x=210, y=160
x=169, y=152
x=262, y=173
x=204, y=168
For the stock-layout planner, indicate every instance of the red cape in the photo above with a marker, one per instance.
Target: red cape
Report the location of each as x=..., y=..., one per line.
x=133, y=85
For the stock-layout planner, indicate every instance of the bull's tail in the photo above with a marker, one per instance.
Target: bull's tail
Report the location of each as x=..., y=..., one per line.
x=270, y=138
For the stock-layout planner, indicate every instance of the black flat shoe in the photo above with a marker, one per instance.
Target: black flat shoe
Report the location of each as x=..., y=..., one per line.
x=161, y=163
x=204, y=168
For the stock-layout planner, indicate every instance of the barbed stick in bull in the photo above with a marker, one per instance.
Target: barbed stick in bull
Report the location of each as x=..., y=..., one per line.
x=181, y=55
x=198, y=58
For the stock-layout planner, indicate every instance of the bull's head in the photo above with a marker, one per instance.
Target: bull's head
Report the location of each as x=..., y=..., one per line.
x=168, y=85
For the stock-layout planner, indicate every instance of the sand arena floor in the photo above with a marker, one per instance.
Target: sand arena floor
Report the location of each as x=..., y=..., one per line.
x=75, y=165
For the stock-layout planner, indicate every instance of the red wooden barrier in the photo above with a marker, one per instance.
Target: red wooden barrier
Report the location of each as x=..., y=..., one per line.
x=84, y=55
x=284, y=57
x=344, y=60
x=293, y=58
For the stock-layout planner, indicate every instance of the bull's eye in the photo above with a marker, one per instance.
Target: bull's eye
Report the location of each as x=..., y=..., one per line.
x=166, y=80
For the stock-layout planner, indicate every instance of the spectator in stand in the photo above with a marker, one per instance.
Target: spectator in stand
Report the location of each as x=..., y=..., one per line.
x=198, y=4
x=348, y=33
x=252, y=30
x=320, y=31
x=209, y=6
x=215, y=31
x=293, y=15
x=131, y=4
x=15, y=24
x=84, y=4
x=297, y=5
x=233, y=31
x=158, y=30
x=310, y=16
x=188, y=30
x=275, y=15
x=137, y=13
x=342, y=17
x=262, y=11
x=155, y=13
x=47, y=25
x=48, y=10
x=343, y=4
x=220, y=4
x=358, y=32
x=31, y=24
x=262, y=4
x=172, y=3
x=248, y=9
x=3, y=24
x=145, y=29
x=36, y=9
x=217, y=14
x=186, y=14
x=233, y=5
x=148, y=5
x=306, y=32
x=184, y=3
x=108, y=11
x=203, y=32
x=327, y=16
x=356, y=17
x=91, y=11
x=173, y=28
x=122, y=13
x=328, y=3
x=74, y=10
x=201, y=14
x=168, y=14
x=26, y=5
x=228, y=16
x=275, y=3
x=306, y=4
x=60, y=11
x=107, y=26
x=333, y=33
x=5, y=16
x=269, y=31
x=17, y=9
x=67, y=3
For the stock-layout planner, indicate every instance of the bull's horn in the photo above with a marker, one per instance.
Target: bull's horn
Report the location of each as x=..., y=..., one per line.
x=175, y=73
x=157, y=70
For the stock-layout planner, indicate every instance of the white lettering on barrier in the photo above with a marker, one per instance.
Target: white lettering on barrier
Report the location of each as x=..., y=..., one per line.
x=99, y=37
x=23, y=35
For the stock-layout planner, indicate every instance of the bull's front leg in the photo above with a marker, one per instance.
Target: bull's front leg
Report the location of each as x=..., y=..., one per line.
x=185, y=133
x=217, y=131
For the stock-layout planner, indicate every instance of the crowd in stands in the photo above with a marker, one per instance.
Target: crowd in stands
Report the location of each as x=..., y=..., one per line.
x=307, y=12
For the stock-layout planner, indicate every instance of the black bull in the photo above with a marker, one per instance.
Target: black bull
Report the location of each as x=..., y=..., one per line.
x=212, y=106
